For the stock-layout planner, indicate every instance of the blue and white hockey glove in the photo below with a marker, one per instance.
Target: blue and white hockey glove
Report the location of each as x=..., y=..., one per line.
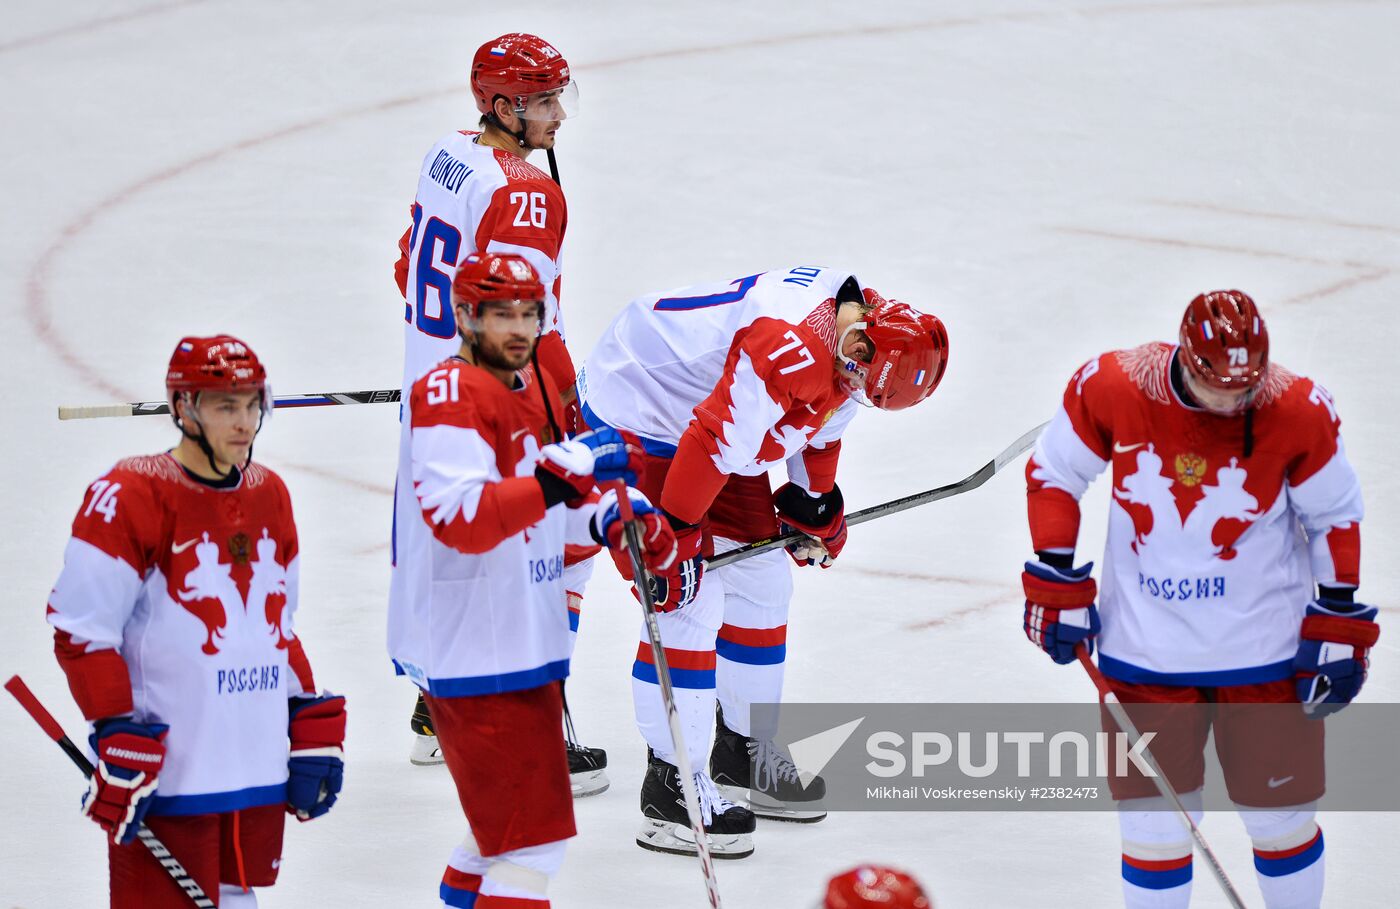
x=617, y=454
x=1330, y=667
x=316, y=766
x=129, y=758
x=1060, y=610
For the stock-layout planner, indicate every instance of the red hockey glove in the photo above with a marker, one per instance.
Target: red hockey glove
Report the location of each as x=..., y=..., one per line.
x=1060, y=611
x=657, y=538
x=316, y=766
x=129, y=758
x=822, y=518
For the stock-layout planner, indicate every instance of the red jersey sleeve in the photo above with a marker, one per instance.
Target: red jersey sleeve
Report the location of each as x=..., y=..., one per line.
x=1073, y=450
x=115, y=536
x=1322, y=486
x=463, y=497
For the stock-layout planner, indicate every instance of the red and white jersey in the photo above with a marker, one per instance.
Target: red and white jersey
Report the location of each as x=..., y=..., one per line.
x=175, y=604
x=735, y=377
x=476, y=198
x=1212, y=555
x=477, y=602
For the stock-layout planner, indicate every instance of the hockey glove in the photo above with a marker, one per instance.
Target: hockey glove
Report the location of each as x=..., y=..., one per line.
x=617, y=455
x=316, y=766
x=565, y=472
x=657, y=538
x=129, y=758
x=1331, y=663
x=822, y=518
x=1060, y=610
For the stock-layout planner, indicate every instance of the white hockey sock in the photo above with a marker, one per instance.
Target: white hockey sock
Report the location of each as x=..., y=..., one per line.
x=751, y=647
x=520, y=878
x=1157, y=866
x=232, y=896
x=462, y=879
x=1288, y=856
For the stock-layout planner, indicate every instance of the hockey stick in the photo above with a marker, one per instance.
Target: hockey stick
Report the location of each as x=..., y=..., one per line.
x=553, y=166
x=153, y=408
x=668, y=697
x=1120, y=716
x=172, y=866
x=966, y=484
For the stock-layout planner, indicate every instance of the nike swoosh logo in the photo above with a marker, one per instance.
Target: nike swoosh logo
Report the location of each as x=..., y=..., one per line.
x=518, y=433
x=1274, y=784
x=177, y=548
x=1120, y=448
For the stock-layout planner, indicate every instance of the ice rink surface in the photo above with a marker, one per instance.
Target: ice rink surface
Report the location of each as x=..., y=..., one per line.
x=1054, y=179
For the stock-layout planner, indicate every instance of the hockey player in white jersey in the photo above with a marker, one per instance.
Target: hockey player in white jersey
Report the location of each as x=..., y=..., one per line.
x=480, y=625
x=723, y=382
x=1233, y=555
x=477, y=192
x=174, y=620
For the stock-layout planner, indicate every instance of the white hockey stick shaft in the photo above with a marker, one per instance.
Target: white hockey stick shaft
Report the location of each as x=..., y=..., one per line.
x=1164, y=786
x=668, y=696
x=155, y=408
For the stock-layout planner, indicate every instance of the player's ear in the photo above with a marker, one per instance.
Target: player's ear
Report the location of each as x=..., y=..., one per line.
x=504, y=112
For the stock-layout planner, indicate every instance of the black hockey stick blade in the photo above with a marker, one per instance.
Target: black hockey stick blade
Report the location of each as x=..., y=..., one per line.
x=966, y=484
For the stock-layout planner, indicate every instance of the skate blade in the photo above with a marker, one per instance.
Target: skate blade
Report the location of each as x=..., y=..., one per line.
x=425, y=751
x=771, y=809
x=589, y=782
x=678, y=839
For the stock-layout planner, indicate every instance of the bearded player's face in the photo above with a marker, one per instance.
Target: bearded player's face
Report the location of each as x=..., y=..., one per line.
x=506, y=333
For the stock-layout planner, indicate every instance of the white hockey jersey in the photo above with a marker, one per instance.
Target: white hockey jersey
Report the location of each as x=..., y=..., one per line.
x=477, y=603
x=175, y=604
x=476, y=198
x=1211, y=555
x=744, y=367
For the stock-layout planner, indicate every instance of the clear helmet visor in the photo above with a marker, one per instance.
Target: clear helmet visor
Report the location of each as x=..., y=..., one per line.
x=555, y=104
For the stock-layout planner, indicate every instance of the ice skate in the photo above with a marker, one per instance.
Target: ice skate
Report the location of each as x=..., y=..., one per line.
x=666, y=825
x=587, y=769
x=755, y=772
x=425, y=751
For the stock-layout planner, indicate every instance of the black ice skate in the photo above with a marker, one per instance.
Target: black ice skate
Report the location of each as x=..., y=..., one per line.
x=666, y=826
x=758, y=773
x=425, y=744
x=587, y=766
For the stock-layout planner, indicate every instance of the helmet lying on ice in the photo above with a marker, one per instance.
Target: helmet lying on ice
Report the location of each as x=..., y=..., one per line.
x=875, y=887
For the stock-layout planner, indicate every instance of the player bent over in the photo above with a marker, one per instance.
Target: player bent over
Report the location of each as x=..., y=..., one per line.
x=173, y=621
x=722, y=382
x=478, y=193
x=1232, y=497
x=485, y=633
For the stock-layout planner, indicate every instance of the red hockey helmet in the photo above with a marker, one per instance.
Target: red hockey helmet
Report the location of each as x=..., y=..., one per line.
x=218, y=363
x=1224, y=341
x=911, y=353
x=528, y=72
x=491, y=278
x=875, y=887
